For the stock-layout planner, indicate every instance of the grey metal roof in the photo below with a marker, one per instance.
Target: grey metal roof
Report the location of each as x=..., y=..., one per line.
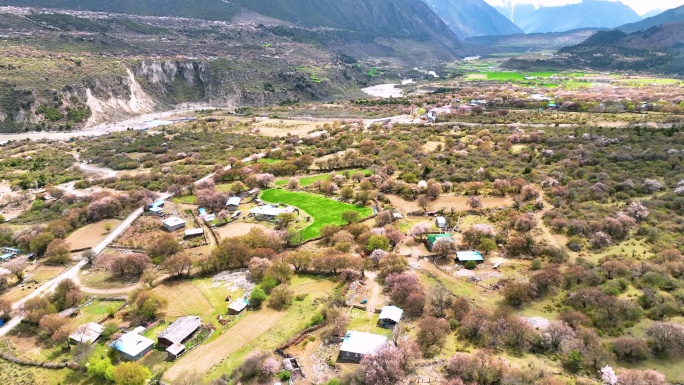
x=181, y=329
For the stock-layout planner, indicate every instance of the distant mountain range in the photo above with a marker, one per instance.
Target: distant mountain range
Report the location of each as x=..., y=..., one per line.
x=673, y=15
x=531, y=42
x=587, y=14
x=358, y=20
x=659, y=49
x=468, y=18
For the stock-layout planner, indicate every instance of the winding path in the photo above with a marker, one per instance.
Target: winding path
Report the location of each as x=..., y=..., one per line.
x=71, y=273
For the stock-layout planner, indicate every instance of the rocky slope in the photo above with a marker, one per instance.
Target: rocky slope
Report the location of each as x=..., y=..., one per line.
x=366, y=19
x=62, y=72
x=468, y=18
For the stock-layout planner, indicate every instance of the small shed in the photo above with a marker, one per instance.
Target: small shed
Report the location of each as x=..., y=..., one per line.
x=156, y=205
x=175, y=350
x=233, y=203
x=156, y=210
x=6, y=257
x=179, y=331
x=12, y=250
x=390, y=316
x=86, y=333
x=173, y=223
x=237, y=306
x=397, y=216
x=194, y=232
x=357, y=344
x=432, y=239
x=441, y=222
x=469, y=255
x=132, y=346
x=70, y=312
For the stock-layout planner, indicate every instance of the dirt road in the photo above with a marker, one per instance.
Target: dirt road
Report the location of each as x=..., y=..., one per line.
x=374, y=300
x=206, y=356
x=136, y=123
x=71, y=273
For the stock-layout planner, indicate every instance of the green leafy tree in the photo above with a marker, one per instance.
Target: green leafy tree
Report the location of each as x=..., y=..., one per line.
x=148, y=305
x=377, y=241
x=350, y=216
x=40, y=243
x=487, y=245
x=163, y=247
x=130, y=373
x=257, y=297
x=281, y=297
x=101, y=367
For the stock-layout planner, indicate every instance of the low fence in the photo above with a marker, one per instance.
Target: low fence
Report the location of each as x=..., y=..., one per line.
x=44, y=365
x=298, y=338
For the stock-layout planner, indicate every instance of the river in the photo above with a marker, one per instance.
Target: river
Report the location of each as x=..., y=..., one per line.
x=140, y=122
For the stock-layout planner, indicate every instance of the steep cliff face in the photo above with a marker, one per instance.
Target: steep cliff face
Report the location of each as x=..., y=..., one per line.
x=220, y=83
x=148, y=85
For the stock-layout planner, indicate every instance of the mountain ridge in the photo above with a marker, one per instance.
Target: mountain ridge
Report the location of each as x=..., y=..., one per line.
x=401, y=19
x=586, y=14
x=669, y=16
x=460, y=18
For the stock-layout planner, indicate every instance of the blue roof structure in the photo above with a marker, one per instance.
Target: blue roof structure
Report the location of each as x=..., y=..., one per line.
x=158, y=203
x=6, y=257
x=132, y=344
x=470, y=255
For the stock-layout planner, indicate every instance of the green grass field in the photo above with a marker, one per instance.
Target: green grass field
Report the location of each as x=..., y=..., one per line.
x=268, y=160
x=508, y=76
x=309, y=180
x=303, y=182
x=324, y=211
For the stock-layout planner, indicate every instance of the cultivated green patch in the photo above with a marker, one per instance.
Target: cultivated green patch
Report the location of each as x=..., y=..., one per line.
x=324, y=211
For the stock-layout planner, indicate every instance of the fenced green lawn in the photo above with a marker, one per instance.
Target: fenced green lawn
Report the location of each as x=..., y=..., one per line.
x=324, y=211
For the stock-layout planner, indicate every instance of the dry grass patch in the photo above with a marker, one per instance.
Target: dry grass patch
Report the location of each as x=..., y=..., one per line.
x=237, y=229
x=92, y=234
x=204, y=357
x=458, y=203
x=431, y=146
x=282, y=127
x=96, y=278
x=184, y=299
x=148, y=228
x=42, y=272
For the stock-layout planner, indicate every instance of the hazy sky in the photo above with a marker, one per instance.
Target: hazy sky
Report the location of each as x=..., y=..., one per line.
x=640, y=6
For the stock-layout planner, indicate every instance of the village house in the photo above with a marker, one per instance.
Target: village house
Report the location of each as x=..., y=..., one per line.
x=233, y=203
x=194, y=232
x=237, y=306
x=469, y=255
x=357, y=344
x=390, y=317
x=270, y=212
x=441, y=222
x=173, y=223
x=86, y=333
x=205, y=215
x=132, y=346
x=177, y=333
x=432, y=239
